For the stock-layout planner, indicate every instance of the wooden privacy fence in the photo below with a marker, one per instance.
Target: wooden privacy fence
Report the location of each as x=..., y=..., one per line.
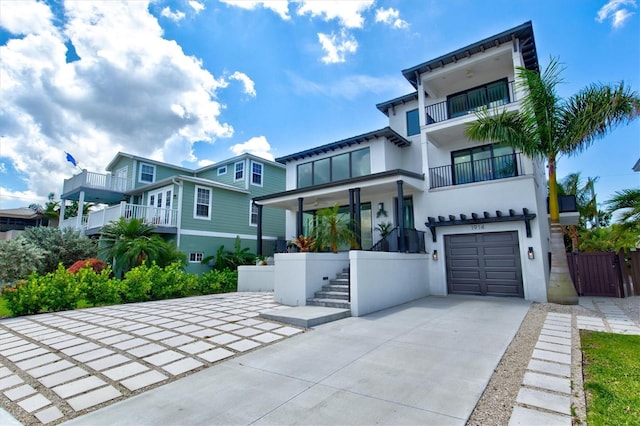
x=599, y=274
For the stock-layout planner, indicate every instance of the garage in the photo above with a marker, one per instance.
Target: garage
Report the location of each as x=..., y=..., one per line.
x=485, y=264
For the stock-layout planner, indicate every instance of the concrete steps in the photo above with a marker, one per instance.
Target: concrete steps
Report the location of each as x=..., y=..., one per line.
x=335, y=294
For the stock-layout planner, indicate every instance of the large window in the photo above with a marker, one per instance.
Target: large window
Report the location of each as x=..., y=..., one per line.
x=366, y=224
x=336, y=168
x=147, y=173
x=256, y=173
x=202, y=203
x=490, y=95
x=413, y=122
x=487, y=162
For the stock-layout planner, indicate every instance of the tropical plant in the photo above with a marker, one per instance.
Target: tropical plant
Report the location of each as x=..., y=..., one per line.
x=128, y=243
x=384, y=228
x=547, y=127
x=612, y=238
x=627, y=200
x=304, y=244
x=71, y=210
x=333, y=229
x=225, y=259
x=18, y=259
x=584, y=193
x=64, y=246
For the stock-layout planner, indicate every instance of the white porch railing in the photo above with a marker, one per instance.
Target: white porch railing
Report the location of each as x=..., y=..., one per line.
x=150, y=215
x=88, y=179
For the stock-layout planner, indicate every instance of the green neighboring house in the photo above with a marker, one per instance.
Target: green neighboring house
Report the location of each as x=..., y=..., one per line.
x=199, y=209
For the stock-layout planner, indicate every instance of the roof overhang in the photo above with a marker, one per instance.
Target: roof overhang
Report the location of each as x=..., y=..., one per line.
x=198, y=181
x=384, y=107
x=327, y=195
x=386, y=132
x=526, y=42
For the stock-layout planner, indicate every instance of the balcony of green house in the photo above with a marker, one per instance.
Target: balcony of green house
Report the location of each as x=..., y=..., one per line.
x=165, y=220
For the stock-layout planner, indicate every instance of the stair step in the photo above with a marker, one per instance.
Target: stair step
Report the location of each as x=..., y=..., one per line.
x=339, y=295
x=329, y=303
x=336, y=287
x=339, y=281
x=343, y=275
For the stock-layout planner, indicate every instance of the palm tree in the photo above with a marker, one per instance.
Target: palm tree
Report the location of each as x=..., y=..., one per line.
x=586, y=204
x=333, y=229
x=629, y=201
x=130, y=243
x=548, y=126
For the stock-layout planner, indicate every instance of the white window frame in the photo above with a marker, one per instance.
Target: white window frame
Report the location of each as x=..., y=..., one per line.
x=261, y=173
x=153, y=175
x=235, y=171
x=195, y=203
x=196, y=257
x=251, y=213
x=222, y=170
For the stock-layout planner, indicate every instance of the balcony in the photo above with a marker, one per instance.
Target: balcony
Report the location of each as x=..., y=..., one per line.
x=166, y=220
x=500, y=167
x=98, y=187
x=490, y=96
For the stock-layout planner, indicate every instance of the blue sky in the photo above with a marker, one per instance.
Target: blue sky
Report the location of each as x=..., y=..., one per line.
x=193, y=82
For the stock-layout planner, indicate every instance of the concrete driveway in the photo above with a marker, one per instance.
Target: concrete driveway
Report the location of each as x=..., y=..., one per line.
x=426, y=362
x=61, y=365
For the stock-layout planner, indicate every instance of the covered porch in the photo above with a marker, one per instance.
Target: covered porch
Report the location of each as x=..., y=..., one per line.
x=365, y=199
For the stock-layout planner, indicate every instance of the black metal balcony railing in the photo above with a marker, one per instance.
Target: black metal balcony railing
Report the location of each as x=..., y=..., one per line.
x=413, y=241
x=441, y=111
x=501, y=167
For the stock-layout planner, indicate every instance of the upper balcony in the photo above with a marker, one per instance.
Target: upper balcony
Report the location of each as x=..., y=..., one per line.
x=485, y=169
x=98, y=187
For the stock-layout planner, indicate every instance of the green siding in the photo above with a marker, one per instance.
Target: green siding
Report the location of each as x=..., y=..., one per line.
x=208, y=246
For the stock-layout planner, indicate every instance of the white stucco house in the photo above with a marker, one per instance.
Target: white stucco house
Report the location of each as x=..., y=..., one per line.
x=468, y=218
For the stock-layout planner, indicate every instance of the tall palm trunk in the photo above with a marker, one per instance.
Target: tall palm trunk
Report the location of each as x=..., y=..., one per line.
x=561, y=289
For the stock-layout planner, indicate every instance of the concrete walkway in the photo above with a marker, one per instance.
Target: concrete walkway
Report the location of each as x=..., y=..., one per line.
x=545, y=395
x=426, y=362
x=67, y=363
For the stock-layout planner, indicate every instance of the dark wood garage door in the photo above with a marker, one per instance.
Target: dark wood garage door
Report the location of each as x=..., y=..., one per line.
x=486, y=264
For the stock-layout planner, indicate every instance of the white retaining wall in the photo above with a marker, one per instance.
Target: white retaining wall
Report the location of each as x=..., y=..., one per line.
x=256, y=278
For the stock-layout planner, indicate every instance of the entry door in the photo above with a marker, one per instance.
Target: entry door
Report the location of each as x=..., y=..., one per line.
x=159, y=207
x=485, y=264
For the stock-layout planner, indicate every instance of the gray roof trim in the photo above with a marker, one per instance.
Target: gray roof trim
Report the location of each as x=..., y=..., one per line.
x=522, y=32
x=386, y=132
x=384, y=106
x=374, y=176
x=196, y=180
x=144, y=160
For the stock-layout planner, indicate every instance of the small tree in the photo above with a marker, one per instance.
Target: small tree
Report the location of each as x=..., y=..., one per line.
x=333, y=229
x=18, y=259
x=64, y=246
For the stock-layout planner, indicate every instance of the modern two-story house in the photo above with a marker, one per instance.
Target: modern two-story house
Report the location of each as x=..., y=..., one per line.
x=477, y=210
x=199, y=210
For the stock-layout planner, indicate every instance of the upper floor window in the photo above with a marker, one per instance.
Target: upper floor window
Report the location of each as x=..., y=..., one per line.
x=335, y=168
x=413, y=122
x=489, y=95
x=487, y=162
x=256, y=173
x=147, y=173
x=222, y=170
x=239, y=171
x=202, y=203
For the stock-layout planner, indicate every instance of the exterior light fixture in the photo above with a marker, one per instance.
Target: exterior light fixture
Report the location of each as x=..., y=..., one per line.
x=434, y=255
x=380, y=206
x=530, y=254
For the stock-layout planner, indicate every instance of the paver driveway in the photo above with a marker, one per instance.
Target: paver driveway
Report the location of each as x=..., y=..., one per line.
x=67, y=363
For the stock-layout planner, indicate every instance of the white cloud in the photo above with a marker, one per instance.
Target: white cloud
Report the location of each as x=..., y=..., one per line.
x=205, y=163
x=281, y=7
x=257, y=146
x=10, y=199
x=249, y=85
x=174, y=16
x=349, y=13
x=391, y=17
x=26, y=17
x=336, y=46
x=617, y=11
x=196, y=6
x=351, y=87
x=131, y=90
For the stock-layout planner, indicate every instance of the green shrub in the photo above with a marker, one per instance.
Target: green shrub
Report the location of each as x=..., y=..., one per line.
x=25, y=297
x=215, y=281
x=18, y=259
x=60, y=289
x=171, y=282
x=99, y=288
x=64, y=246
x=137, y=284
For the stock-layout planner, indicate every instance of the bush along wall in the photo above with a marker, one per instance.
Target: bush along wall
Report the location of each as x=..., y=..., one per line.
x=63, y=290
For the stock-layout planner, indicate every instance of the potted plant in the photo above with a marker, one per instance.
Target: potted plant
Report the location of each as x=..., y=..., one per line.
x=304, y=244
x=384, y=228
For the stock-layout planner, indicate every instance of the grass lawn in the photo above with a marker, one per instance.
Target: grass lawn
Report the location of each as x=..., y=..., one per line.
x=611, y=368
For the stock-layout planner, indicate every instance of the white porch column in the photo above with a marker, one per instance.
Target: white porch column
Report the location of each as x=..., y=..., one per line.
x=63, y=205
x=80, y=210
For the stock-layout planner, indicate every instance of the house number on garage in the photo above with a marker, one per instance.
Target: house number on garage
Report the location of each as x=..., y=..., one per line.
x=476, y=227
